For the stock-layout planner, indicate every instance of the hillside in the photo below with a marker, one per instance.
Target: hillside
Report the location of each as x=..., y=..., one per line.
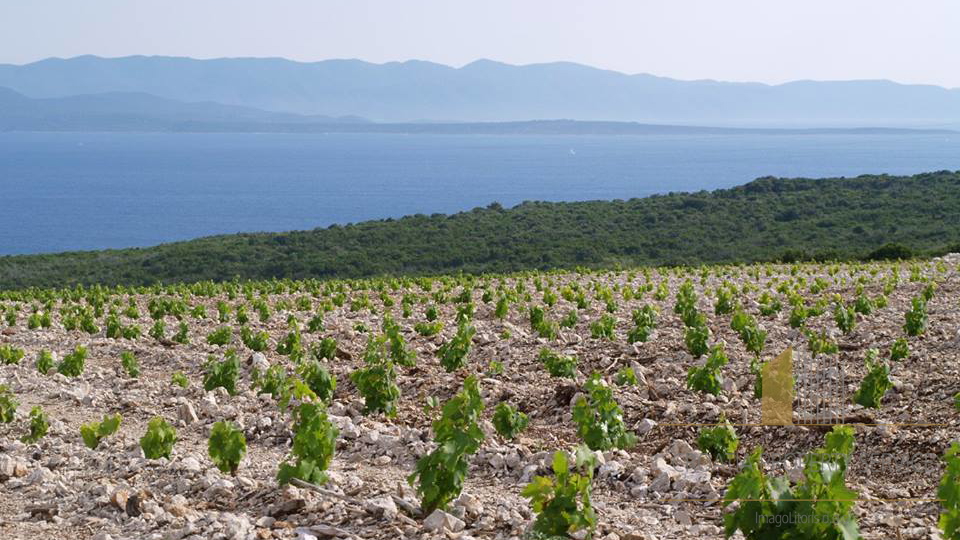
x=488, y=91
x=136, y=111
x=616, y=361
x=762, y=220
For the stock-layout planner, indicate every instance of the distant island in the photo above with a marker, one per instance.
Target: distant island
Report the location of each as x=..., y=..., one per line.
x=262, y=90
x=765, y=220
x=138, y=112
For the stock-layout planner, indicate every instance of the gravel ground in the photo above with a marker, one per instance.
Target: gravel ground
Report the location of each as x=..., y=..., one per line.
x=661, y=488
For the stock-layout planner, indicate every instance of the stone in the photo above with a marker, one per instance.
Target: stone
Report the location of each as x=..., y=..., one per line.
x=382, y=507
x=119, y=498
x=187, y=414
x=258, y=361
x=645, y=426
x=471, y=505
x=190, y=464
x=440, y=521
x=132, y=507
x=283, y=508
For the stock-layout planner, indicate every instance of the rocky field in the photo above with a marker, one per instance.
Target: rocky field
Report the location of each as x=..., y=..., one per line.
x=662, y=486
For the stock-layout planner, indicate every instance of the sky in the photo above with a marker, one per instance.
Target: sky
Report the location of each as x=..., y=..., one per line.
x=771, y=41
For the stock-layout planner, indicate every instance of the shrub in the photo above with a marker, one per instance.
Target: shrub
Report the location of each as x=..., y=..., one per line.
x=273, y=381
x=453, y=354
x=626, y=377
x=845, y=318
x=316, y=376
x=94, y=432
x=254, y=341
x=179, y=379
x=8, y=405
x=916, y=317
x=570, y=320
x=39, y=425
x=899, y=350
x=458, y=435
x=508, y=421
x=599, y=419
x=183, y=333
x=720, y=441
x=890, y=252
x=159, y=330
x=558, y=365
x=695, y=338
x=220, y=336
x=602, y=328
x=222, y=373
x=72, y=364
x=428, y=329
x=159, y=439
x=562, y=503
x=314, y=442
x=875, y=384
x=707, y=379
x=227, y=446
x=325, y=349
x=949, y=494
x=130, y=364
x=377, y=381
x=10, y=354
x=819, y=506
x=44, y=361
x=399, y=352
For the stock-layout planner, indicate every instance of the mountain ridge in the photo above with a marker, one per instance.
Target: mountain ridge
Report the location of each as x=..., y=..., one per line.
x=487, y=90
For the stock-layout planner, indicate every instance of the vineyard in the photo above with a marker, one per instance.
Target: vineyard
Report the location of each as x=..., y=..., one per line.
x=621, y=404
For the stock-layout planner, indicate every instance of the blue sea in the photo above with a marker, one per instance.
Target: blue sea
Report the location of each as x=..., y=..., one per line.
x=76, y=191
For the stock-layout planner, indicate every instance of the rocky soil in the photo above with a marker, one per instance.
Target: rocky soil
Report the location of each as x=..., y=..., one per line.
x=662, y=488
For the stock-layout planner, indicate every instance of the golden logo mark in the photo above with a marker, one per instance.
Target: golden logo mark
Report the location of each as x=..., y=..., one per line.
x=776, y=402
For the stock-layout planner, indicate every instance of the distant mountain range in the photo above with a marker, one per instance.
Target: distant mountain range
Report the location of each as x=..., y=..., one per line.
x=241, y=90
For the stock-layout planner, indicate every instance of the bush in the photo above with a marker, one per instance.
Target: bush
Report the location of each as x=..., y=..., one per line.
x=320, y=381
x=875, y=384
x=10, y=355
x=223, y=373
x=458, y=435
x=707, y=379
x=453, y=354
x=819, y=506
x=8, y=405
x=916, y=317
x=94, y=432
x=44, y=361
x=159, y=439
x=130, y=364
x=220, y=336
x=562, y=503
x=720, y=441
x=72, y=364
x=39, y=425
x=599, y=419
x=377, y=381
x=949, y=493
x=558, y=365
x=314, y=442
x=227, y=446
x=508, y=421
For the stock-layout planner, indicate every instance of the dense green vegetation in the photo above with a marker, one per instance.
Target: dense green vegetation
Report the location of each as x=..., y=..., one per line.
x=767, y=219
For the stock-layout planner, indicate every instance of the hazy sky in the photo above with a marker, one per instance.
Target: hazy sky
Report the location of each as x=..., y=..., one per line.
x=914, y=41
